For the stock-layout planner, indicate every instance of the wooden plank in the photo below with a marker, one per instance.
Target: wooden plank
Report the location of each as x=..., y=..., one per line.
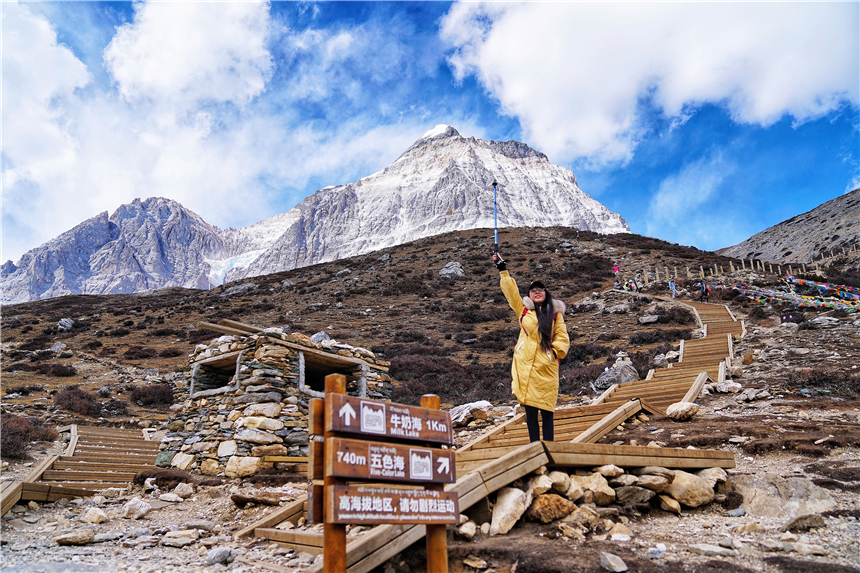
x=290, y=512
x=607, y=449
x=255, y=564
x=70, y=475
x=53, y=492
x=221, y=329
x=41, y=469
x=300, y=540
x=470, y=489
x=387, y=551
x=336, y=360
x=10, y=495
x=101, y=466
x=596, y=460
x=518, y=419
x=602, y=398
x=652, y=408
x=608, y=423
x=286, y=459
x=247, y=328
x=694, y=390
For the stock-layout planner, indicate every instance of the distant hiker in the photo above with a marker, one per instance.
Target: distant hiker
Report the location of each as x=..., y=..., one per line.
x=543, y=341
x=637, y=282
x=673, y=287
x=617, y=285
x=615, y=269
x=705, y=292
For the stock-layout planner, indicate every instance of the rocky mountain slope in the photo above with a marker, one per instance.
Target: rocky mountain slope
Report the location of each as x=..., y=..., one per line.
x=795, y=419
x=833, y=225
x=441, y=183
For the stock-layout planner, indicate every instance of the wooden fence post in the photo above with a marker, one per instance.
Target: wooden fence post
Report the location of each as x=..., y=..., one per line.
x=437, y=539
x=334, y=534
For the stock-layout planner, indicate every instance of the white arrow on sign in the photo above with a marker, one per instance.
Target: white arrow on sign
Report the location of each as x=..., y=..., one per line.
x=347, y=413
x=444, y=466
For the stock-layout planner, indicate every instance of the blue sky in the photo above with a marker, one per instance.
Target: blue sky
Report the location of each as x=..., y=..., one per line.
x=700, y=123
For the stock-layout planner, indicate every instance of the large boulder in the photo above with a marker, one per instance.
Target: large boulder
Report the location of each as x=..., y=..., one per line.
x=689, y=489
x=784, y=498
x=510, y=506
x=452, y=270
x=597, y=484
x=618, y=374
x=682, y=411
x=464, y=412
x=549, y=507
x=241, y=466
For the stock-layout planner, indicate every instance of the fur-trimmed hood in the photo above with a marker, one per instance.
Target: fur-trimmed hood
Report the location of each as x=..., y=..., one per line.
x=557, y=305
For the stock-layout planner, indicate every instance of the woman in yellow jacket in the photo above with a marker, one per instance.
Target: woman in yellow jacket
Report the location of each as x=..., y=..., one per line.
x=543, y=341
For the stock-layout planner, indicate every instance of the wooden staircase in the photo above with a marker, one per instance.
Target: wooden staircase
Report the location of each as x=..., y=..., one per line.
x=95, y=459
x=504, y=454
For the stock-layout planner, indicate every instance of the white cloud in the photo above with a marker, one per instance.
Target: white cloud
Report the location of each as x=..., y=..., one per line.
x=36, y=131
x=186, y=53
x=676, y=210
x=191, y=122
x=575, y=74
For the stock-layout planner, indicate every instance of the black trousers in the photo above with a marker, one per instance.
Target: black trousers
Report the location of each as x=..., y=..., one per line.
x=532, y=424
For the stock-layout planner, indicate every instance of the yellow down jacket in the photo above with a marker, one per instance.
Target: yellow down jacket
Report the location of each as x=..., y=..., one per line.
x=535, y=371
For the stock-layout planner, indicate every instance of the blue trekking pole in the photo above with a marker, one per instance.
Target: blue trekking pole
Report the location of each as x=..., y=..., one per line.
x=495, y=220
x=496, y=224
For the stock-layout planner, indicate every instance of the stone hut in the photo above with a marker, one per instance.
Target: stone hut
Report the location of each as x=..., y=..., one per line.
x=247, y=398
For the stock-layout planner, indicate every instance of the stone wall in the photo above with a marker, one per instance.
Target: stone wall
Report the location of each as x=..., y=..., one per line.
x=224, y=424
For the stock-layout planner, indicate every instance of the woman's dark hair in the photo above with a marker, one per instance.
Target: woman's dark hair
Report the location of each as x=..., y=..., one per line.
x=546, y=316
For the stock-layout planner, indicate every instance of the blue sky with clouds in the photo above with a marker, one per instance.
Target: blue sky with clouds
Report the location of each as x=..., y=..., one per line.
x=700, y=123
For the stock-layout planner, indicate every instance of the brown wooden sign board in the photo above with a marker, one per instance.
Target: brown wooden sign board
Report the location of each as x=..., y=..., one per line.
x=361, y=459
x=377, y=505
x=371, y=418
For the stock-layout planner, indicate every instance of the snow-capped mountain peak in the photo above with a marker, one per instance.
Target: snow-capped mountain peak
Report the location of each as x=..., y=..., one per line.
x=441, y=183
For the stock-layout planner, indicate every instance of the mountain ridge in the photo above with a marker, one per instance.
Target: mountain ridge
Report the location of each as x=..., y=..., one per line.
x=440, y=183
x=832, y=225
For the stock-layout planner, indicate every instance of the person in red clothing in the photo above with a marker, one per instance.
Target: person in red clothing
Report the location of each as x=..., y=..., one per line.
x=542, y=343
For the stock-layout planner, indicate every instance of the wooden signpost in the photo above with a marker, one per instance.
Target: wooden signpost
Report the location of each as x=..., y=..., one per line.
x=387, y=443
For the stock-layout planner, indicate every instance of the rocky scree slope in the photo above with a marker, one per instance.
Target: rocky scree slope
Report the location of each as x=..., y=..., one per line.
x=796, y=417
x=832, y=225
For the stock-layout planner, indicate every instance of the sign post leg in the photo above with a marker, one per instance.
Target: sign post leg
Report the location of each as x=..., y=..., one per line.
x=334, y=535
x=437, y=541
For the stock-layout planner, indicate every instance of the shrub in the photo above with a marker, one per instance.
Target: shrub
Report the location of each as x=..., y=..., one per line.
x=93, y=345
x=152, y=394
x=16, y=433
x=171, y=352
x=23, y=390
x=164, y=332
x=576, y=380
x=585, y=352
x=58, y=370
x=472, y=316
x=138, y=353
x=119, y=331
x=654, y=336
x=677, y=315
x=452, y=382
x=76, y=400
x=409, y=335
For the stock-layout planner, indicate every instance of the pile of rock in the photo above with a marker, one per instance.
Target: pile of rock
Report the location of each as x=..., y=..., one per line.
x=594, y=501
x=226, y=426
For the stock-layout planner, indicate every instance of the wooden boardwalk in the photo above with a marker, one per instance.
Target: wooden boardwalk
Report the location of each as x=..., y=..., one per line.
x=504, y=454
x=95, y=459
x=701, y=359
